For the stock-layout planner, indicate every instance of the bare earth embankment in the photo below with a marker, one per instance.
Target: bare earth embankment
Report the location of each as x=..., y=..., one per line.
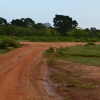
x=22, y=72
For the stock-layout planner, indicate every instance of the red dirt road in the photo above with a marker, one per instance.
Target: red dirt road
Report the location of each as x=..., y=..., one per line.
x=22, y=72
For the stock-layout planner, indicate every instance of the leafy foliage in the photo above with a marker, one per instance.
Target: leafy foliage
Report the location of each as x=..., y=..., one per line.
x=23, y=22
x=8, y=42
x=3, y=22
x=64, y=23
x=64, y=30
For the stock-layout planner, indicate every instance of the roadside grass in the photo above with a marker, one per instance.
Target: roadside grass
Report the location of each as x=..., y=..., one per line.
x=69, y=81
x=8, y=44
x=3, y=51
x=87, y=54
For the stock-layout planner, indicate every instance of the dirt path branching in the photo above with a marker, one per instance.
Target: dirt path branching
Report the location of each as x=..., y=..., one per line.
x=23, y=71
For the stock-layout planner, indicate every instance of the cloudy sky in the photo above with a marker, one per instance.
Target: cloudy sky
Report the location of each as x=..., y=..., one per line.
x=85, y=12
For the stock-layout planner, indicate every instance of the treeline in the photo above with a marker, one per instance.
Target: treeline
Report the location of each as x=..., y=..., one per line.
x=64, y=26
x=25, y=27
x=12, y=30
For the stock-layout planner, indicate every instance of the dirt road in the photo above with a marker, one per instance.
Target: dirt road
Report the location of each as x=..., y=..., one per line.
x=22, y=72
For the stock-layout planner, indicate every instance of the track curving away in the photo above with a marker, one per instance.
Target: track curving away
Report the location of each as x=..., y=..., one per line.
x=22, y=72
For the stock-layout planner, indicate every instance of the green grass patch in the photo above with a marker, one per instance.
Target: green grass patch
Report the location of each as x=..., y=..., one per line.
x=2, y=51
x=88, y=54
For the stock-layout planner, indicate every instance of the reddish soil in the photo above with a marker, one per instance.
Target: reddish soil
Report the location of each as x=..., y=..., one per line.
x=22, y=72
x=75, y=81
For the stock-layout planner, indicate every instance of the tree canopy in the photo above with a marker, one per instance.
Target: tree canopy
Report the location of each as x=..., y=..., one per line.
x=3, y=22
x=64, y=23
x=64, y=27
x=23, y=22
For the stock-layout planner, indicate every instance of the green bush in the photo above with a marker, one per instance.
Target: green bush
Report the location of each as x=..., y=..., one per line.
x=8, y=42
x=90, y=43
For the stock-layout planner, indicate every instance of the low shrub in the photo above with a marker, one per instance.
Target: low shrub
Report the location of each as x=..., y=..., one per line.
x=8, y=42
x=90, y=43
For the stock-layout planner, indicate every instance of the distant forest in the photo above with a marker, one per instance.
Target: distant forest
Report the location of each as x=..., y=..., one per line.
x=64, y=26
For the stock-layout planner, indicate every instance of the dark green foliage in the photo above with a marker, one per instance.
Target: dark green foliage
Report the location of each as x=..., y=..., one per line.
x=39, y=26
x=23, y=22
x=3, y=22
x=50, y=38
x=2, y=31
x=64, y=30
x=64, y=23
x=8, y=42
x=10, y=30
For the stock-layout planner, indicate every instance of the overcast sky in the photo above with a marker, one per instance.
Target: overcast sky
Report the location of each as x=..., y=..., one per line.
x=85, y=12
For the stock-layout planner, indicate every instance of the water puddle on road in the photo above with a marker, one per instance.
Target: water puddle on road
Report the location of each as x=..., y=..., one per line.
x=49, y=86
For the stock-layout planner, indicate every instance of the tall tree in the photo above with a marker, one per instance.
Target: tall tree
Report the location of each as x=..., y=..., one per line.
x=64, y=23
x=3, y=22
x=28, y=21
x=18, y=22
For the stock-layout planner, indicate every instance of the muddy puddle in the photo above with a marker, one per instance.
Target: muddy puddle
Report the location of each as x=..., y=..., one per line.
x=48, y=84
